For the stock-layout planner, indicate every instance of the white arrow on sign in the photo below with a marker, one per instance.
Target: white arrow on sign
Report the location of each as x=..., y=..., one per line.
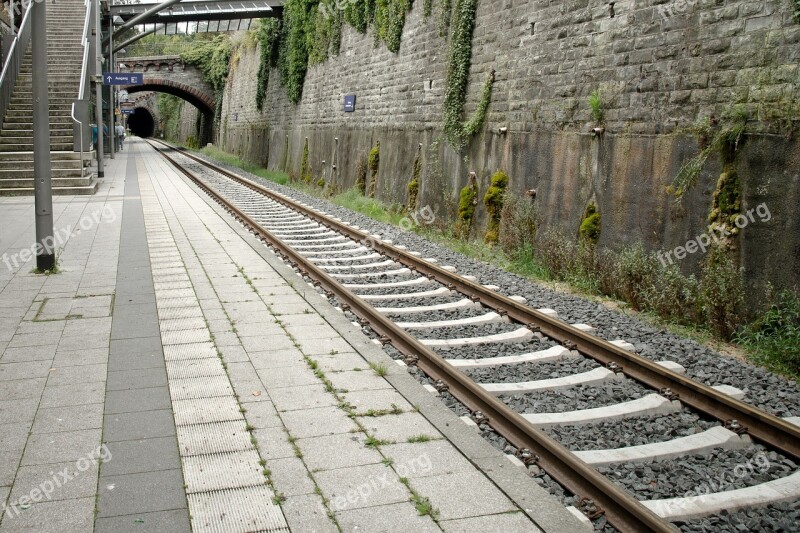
x=109, y=79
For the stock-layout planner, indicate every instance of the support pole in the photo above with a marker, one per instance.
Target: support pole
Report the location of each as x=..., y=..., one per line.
x=112, y=134
x=42, y=170
x=98, y=87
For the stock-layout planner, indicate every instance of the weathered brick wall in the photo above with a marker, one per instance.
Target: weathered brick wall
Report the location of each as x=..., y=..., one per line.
x=659, y=65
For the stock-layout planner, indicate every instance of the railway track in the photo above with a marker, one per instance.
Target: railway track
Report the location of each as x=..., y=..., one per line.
x=513, y=368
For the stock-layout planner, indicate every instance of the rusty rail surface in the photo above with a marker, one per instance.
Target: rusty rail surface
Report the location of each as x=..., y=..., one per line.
x=621, y=508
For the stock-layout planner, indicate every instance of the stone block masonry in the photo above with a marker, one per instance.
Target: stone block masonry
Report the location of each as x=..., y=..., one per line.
x=659, y=66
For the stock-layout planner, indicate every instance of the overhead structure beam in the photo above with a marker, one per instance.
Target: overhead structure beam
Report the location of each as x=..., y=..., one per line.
x=138, y=36
x=203, y=10
x=139, y=18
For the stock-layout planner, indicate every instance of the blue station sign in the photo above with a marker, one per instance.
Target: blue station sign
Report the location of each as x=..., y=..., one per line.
x=349, y=103
x=123, y=78
x=128, y=111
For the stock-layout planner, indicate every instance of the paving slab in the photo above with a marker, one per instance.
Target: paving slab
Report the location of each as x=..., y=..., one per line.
x=362, y=486
x=388, y=519
x=508, y=522
x=307, y=512
x=53, y=517
x=446, y=494
x=350, y=450
x=399, y=428
x=157, y=522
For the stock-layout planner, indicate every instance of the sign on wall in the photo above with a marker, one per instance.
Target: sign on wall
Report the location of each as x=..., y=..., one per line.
x=349, y=103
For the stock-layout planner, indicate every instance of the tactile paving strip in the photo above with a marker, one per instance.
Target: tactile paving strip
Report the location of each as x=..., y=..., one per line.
x=227, y=490
x=246, y=509
x=195, y=368
x=203, y=387
x=217, y=437
x=200, y=350
x=185, y=336
x=222, y=471
x=206, y=410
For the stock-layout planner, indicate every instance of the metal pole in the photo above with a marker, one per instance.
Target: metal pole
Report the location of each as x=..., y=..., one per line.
x=43, y=185
x=112, y=134
x=98, y=87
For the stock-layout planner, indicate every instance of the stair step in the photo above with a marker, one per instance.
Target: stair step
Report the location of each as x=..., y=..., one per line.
x=88, y=189
x=28, y=134
x=55, y=155
x=64, y=164
x=18, y=178
x=28, y=147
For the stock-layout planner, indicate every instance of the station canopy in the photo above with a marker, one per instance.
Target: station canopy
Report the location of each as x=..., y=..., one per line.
x=197, y=16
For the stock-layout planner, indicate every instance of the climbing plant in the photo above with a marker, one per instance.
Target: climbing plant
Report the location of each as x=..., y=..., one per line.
x=458, y=64
x=213, y=59
x=390, y=17
x=359, y=14
x=267, y=33
x=326, y=38
x=724, y=140
x=445, y=14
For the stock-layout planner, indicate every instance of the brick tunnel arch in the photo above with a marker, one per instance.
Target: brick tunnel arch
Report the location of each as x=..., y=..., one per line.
x=198, y=98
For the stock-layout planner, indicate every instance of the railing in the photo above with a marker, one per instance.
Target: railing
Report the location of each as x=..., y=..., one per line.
x=82, y=91
x=8, y=78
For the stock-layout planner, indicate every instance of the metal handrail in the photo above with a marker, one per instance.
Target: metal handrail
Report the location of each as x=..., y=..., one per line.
x=84, y=74
x=8, y=77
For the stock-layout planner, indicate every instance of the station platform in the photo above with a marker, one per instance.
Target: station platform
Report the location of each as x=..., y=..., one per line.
x=174, y=375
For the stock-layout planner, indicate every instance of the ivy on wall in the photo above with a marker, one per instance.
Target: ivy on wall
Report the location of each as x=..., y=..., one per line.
x=293, y=48
x=267, y=33
x=360, y=14
x=311, y=32
x=213, y=59
x=390, y=17
x=458, y=65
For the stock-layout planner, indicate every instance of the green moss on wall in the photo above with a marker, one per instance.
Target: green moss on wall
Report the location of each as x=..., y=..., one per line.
x=305, y=168
x=361, y=175
x=493, y=200
x=467, y=201
x=413, y=185
x=372, y=164
x=590, y=225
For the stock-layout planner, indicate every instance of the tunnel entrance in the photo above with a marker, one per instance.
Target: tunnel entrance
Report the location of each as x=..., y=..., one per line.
x=141, y=123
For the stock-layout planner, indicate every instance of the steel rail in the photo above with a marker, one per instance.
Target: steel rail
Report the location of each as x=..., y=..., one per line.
x=620, y=508
x=742, y=417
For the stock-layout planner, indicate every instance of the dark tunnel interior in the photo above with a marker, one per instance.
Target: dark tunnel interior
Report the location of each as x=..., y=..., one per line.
x=141, y=123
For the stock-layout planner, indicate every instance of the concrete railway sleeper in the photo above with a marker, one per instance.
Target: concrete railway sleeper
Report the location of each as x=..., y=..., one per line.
x=448, y=312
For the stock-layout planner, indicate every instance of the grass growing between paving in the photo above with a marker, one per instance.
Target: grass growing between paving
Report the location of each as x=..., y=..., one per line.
x=663, y=298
